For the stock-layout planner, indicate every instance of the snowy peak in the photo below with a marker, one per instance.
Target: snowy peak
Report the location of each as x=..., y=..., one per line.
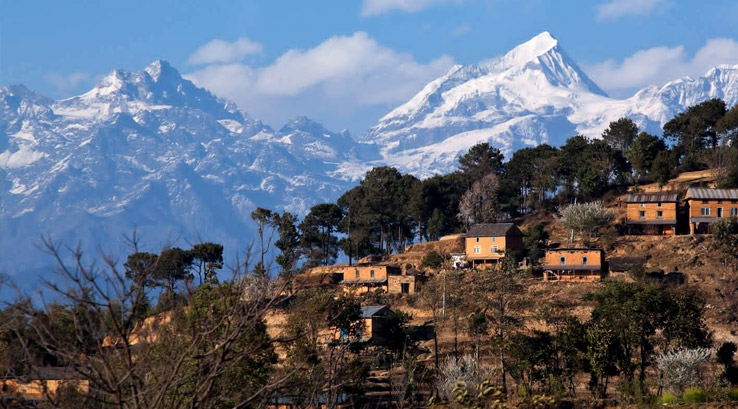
x=158, y=86
x=162, y=69
x=530, y=50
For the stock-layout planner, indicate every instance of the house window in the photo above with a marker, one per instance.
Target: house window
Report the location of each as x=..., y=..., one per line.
x=659, y=205
x=494, y=249
x=494, y=238
x=477, y=249
x=704, y=202
x=405, y=288
x=584, y=261
x=659, y=214
x=720, y=202
x=642, y=214
x=733, y=201
x=643, y=205
x=562, y=260
x=371, y=273
x=704, y=211
x=719, y=212
x=733, y=211
x=357, y=274
x=477, y=239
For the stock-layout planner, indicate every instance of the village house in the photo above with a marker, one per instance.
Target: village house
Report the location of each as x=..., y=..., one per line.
x=360, y=278
x=707, y=205
x=372, y=320
x=487, y=243
x=42, y=381
x=652, y=213
x=573, y=264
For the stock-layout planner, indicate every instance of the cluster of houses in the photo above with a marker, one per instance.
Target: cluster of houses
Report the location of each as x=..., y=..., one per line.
x=661, y=213
x=665, y=213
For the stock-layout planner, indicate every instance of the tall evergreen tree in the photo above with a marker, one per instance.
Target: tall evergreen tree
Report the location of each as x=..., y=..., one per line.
x=620, y=134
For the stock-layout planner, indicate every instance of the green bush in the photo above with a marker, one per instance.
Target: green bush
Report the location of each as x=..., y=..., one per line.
x=667, y=399
x=693, y=395
x=433, y=260
x=733, y=394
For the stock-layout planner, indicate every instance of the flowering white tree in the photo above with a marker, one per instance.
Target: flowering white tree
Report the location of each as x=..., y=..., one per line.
x=585, y=218
x=681, y=367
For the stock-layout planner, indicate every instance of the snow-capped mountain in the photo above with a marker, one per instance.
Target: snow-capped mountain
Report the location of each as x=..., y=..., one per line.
x=533, y=94
x=152, y=151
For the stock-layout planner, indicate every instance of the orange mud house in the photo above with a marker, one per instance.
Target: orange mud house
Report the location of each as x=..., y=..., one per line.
x=707, y=205
x=486, y=244
x=573, y=264
x=42, y=381
x=362, y=279
x=653, y=213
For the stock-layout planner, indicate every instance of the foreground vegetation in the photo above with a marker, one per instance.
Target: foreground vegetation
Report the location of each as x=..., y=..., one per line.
x=173, y=329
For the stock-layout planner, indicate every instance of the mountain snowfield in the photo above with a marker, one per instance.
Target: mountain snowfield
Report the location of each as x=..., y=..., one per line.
x=150, y=150
x=533, y=94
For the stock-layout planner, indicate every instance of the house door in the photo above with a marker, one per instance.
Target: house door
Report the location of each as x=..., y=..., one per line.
x=719, y=212
x=405, y=288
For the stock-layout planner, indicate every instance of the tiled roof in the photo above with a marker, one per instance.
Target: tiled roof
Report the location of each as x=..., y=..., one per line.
x=492, y=229
x=707, y=193
x=651, y=197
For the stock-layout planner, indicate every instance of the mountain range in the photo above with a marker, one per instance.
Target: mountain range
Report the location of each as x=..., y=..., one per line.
x=151, y=151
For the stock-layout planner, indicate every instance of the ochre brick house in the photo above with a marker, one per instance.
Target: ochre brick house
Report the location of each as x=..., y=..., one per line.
x=652, y=213
x=486, y=244
x=573, y=264
x=707, y=205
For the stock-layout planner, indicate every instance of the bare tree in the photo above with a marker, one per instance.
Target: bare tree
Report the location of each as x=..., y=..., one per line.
x=720, y=159
x=214, y=352
x=479, y=203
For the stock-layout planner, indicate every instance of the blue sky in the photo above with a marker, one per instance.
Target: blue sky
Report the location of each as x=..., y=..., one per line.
x=346, y=63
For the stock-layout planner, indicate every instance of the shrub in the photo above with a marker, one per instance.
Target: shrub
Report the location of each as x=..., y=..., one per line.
x=693, y=395
x=733, y=394
x=433, y=260
x=667, y=399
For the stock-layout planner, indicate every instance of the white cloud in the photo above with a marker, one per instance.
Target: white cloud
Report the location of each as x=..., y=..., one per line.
x=461, y=30
x=620, y=8
x=219, y=51
x=67, y=82
x=343, y=73
x=377, y=7
x=657, y=65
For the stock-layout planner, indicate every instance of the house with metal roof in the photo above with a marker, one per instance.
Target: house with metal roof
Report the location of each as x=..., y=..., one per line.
x=573, y=264
x=487, y=243
x=707, y=205
x=651, y=213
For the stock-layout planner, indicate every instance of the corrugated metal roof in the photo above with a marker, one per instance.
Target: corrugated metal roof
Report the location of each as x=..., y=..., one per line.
x=707, y=193
x=651, y=222
x=573, y=267
x=492, y=229
x=652, y=197
x=362, y=281
x=370, y=310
